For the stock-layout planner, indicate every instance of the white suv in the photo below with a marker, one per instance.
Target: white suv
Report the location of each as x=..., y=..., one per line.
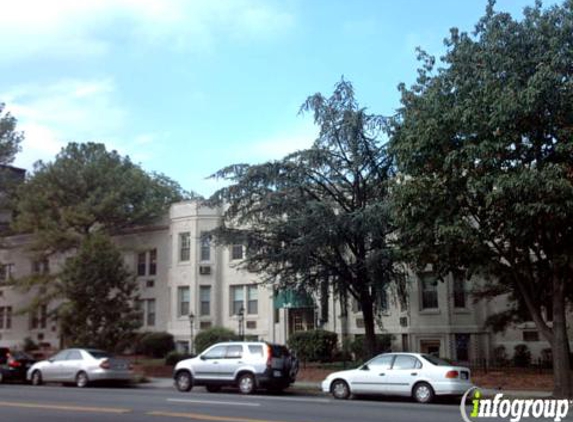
x=247, y=365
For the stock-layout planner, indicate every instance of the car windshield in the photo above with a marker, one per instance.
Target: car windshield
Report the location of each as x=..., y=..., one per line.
x=22, y=356
x=99, y=354
x=436, y=361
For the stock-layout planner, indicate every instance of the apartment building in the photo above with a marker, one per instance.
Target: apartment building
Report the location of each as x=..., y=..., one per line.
x=182, y=273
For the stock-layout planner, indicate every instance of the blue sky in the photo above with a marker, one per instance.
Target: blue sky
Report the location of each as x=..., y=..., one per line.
x=185, y=87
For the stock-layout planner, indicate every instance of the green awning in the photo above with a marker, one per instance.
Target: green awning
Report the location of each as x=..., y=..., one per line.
x=292, y=299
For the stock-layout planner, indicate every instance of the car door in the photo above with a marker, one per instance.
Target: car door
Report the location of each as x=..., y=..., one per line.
x=208, y=366
x=404, y=373
x=72, y=365
x=229, y=366
x=371, y=378
x=54, y=370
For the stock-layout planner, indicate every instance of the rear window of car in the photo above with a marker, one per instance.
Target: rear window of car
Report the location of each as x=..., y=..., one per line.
x=436, y=361
x=279, y=351
x=99, y=354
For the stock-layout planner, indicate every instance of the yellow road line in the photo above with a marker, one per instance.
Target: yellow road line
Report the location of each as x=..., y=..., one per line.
x=64, y=407
x=203, y=417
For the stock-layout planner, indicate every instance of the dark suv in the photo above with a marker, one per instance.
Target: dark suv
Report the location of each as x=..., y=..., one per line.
x=13, y=365
x=247, y=365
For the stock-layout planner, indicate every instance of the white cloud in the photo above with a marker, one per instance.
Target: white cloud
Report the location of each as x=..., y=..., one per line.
x=76, y=29
x=69, y=110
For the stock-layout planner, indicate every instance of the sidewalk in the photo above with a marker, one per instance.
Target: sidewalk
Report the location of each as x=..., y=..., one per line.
x=314, y=387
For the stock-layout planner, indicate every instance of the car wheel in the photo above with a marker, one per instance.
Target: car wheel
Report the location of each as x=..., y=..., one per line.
x=247, y=384
x=340, y=390
x=82, y=380
x=36, y=378
x=213, y=388
x=423, y=392
x=184, y=381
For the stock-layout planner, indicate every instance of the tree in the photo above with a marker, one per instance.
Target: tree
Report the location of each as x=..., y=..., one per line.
x=484, y=146
x=10, y=139
x=319, y=217
x=86, y=189
x=101, y=294
x=84, y=192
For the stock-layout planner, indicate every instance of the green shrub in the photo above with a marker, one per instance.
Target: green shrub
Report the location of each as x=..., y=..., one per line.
x=156, y=345
x=314, y=345
x=29, y=345
x=207, y=338
x=358, y=347
x=174, y=357
x=521, y=356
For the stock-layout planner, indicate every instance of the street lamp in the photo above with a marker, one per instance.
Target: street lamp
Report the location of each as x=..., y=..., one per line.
x=241, y=323
x=191, y=324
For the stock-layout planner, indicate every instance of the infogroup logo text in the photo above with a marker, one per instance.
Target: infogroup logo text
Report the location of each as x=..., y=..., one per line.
x=513, y=409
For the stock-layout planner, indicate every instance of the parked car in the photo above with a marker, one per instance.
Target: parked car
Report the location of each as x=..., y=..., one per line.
x=420, y=376
x=14, y=364
x=247, y=365
x=81, y=367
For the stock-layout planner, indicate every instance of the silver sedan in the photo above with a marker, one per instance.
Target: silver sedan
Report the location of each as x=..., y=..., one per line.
x=80, y=366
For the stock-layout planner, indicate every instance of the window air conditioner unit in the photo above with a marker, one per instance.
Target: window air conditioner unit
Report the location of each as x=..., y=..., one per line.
x=204, y=269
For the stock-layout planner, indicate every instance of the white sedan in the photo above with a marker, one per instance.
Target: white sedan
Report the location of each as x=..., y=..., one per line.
x=417, y=375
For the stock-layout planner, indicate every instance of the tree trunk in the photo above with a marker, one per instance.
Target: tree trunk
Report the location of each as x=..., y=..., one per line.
x=562, y=371
x=368, y=315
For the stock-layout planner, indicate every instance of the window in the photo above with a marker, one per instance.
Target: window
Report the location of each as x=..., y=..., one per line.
x=531, y=336
x=252, y=300
x=6, y=272
x=356, y=306
x=459, y=293
x=141, y=261
x=234, y=352
x=252, y=325
x=237, y=252
x=150, y=284
x=237, y=299
x=5, y=317
x=462, y=347
x=217, y=352
x=205, y=297
x=205, y=247
x=256, y=350
x=150, y=320
x=41, y=267
x=60, y=356
x=183, y=300
x=429, y=285
x=382, y=362
x=153, y=262
x=74, y=355
x=382, y=299
x=406, y=362
x=184, y=246
x=38, y=318
x=205, y=325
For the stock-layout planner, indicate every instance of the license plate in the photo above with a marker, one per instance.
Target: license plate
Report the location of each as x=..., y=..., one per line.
x=277, y=373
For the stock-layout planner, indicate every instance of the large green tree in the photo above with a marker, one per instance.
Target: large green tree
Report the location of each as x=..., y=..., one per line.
x=318, y=218
x=88, y=188
x=86, y=191
x=100, y=296
x=484, y=147
x=10, y=138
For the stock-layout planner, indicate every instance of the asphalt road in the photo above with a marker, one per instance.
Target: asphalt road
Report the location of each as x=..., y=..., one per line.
x=52, y=403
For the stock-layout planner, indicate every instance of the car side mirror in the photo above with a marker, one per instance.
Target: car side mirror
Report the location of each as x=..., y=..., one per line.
x=202, y=357
x=51, y=360
x=365, y=368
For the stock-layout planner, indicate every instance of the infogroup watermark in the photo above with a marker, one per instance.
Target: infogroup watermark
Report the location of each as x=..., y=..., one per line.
x=512, y=409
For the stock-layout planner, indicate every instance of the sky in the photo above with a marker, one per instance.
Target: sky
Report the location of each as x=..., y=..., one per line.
x=186, y=87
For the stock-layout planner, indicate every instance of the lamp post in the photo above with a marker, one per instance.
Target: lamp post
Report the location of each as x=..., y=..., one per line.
x=191, y=325
x=241, y=323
